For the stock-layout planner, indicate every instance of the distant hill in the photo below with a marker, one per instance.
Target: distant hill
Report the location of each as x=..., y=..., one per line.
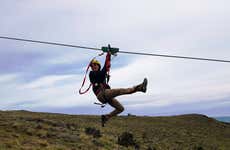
x=29, y=130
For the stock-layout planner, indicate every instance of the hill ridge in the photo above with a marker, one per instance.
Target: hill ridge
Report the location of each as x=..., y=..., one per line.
x=34, y=130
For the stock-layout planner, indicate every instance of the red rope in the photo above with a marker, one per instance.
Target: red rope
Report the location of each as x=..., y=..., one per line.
x=80, y=90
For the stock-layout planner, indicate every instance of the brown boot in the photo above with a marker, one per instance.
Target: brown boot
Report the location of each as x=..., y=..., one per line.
x=142, y=87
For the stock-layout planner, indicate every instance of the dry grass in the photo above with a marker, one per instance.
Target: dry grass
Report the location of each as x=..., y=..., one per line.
x=28, y=130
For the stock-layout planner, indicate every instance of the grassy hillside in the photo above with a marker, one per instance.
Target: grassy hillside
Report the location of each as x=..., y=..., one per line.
x=28, y=130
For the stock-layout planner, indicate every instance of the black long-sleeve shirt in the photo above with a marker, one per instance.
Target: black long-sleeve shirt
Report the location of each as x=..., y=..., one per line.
x=98, y=78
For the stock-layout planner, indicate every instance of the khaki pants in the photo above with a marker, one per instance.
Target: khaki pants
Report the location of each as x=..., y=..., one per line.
x=108, y=96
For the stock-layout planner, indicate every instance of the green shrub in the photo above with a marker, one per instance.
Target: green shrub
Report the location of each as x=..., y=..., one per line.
x=126, y=139
x=93, y=131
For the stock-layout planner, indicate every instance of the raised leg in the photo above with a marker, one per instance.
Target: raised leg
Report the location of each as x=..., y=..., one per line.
x=111, y=93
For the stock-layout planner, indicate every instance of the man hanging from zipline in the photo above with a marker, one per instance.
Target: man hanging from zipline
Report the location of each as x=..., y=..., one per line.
x=99, y=79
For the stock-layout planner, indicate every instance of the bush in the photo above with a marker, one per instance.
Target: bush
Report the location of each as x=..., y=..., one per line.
x=198, y=148
x=93, y=131
x=126, y=139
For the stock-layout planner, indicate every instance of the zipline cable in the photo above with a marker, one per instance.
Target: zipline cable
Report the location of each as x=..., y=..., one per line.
x=49, y=43
x=125, y=52
x=175, y=56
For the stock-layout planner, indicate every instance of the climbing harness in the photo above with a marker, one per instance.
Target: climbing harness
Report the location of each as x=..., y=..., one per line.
x=113, y=52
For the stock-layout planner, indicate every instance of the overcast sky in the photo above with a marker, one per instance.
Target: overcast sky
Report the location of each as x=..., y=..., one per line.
x=47, y=78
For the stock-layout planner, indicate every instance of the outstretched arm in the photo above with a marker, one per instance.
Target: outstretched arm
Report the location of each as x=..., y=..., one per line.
x=107, y=64
x=108, y=61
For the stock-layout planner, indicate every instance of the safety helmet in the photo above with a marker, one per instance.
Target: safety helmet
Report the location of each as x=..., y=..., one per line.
x=94, y=61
